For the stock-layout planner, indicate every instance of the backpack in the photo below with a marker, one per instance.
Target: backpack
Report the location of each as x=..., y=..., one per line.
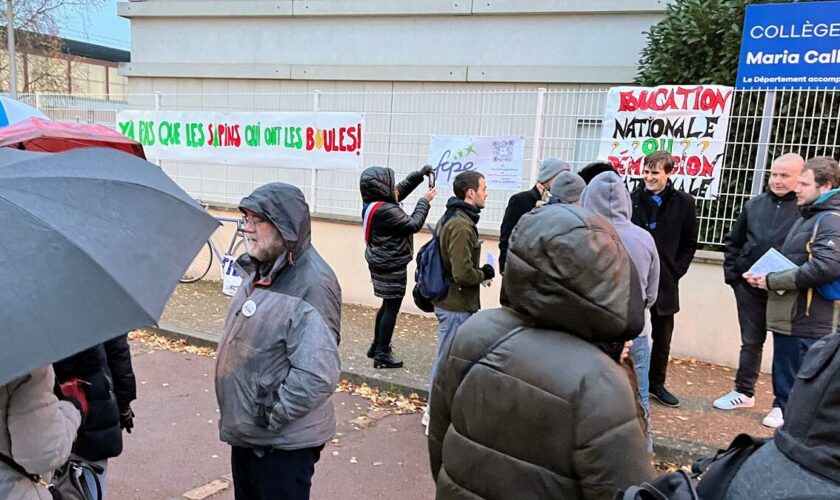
x=714, y=474
x=431, y=278
x=830, y=290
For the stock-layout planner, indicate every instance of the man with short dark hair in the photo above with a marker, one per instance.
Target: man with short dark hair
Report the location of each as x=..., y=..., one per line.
x=278, y=362
x=801, y=315
x=460, y=251
x=669, y=216
x=763, y=224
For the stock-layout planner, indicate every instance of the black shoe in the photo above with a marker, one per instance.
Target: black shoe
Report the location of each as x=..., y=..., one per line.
x=661, y=395
x=371, y=351
x=386, y=359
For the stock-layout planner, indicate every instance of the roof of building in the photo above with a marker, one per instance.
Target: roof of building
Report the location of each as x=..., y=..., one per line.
x=93, y=51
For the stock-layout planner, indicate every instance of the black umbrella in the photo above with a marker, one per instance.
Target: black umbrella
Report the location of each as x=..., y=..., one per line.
x=93, y=243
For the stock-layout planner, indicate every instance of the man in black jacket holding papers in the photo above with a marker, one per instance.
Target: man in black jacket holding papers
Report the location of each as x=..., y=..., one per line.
x=762, y=225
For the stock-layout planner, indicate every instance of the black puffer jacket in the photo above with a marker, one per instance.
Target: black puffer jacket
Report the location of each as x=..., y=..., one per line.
x=110, y=387
x=544, y=413
x=791, y=313
x=675, y=236
x=763, y=224
x=390, y=246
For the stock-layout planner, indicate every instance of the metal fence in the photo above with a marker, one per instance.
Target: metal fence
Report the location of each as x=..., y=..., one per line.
x=555, y=123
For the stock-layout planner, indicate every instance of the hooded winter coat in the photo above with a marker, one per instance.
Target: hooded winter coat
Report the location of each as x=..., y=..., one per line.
x=524, y=405
x=36, y=430
x=791, y=313
x=675, y=235
x=278, y=362
x=809, y=436
x=606, y=195
x=390, y=244
x=110, y=388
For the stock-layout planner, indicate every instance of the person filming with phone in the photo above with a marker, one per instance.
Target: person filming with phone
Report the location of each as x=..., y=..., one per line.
x=389, y=238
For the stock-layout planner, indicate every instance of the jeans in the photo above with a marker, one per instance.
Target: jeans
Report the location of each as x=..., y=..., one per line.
x=448, y=323
x=91, y=482
x=277, y=475
x=788, y=353
x=752, y=310
x=661, y=329
x=640, y=355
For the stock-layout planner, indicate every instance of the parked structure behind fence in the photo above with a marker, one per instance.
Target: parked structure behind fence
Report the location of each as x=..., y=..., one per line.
x=399, y=125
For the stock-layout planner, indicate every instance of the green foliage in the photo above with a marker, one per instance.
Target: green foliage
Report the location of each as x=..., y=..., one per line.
x=699, y=42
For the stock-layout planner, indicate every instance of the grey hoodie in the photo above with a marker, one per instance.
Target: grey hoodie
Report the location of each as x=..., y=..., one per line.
x=607, y=196
x=278, y=361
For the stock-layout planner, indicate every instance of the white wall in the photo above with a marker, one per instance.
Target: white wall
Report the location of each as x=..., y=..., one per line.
x=539, y=41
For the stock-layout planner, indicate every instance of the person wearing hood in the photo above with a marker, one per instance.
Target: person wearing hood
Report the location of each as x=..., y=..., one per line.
x=524, y=404
x=389, y=238
x=277, y=363
x=606, y=195
x=801, y=315
x=762, y=224
x=525, y=201
x=803, y=458
x=670, y=217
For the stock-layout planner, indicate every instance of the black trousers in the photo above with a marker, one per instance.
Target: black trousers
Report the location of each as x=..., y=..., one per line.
x=752, y=317
x=386, y=320
x=662, y=328
x=277, y=475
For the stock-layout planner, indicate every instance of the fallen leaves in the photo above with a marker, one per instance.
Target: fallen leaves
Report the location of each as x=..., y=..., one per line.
x=159, y=342
x=396, y=404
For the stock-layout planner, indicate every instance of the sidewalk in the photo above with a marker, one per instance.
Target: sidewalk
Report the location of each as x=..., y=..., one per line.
x=196, y=312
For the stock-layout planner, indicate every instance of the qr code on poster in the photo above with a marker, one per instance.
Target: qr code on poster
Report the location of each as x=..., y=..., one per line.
x=503, y=150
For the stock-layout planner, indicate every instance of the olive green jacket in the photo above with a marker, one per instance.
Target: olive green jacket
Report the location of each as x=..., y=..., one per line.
x=460, y=250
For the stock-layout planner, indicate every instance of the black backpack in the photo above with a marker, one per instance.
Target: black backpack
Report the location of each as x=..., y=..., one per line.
x=709, y=479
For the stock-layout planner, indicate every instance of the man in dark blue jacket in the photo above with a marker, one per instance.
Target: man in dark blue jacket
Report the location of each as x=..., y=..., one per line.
x=763, y=224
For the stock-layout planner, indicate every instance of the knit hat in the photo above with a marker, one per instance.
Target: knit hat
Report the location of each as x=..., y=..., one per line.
x=549, y=169
x=567, y=187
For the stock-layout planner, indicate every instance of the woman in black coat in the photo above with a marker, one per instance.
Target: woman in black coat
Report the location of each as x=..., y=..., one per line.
x=389, y=237
x=106, y=378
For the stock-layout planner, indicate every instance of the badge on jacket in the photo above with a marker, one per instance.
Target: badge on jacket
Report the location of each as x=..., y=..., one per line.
x=249, y=308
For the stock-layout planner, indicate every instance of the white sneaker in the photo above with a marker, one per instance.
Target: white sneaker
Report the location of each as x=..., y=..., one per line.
x=425, y=420
x=734, y=400
x=774, y=419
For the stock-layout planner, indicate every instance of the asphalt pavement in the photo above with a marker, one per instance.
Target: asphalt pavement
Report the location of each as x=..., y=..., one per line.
x=175, y=450
x=196, y=312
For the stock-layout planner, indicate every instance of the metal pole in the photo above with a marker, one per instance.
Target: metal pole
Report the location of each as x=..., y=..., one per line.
x=538, y=127
x=313, y=176
x=767, y=115
x=10, y=39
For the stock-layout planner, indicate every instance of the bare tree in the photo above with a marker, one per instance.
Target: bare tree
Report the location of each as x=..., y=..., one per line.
x=41, y=65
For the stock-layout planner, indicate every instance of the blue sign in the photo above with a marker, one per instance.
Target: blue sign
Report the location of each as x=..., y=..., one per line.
x=790, y=46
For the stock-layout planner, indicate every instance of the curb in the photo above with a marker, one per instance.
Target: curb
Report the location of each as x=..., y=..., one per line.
x=379, y=379
x=666, y=449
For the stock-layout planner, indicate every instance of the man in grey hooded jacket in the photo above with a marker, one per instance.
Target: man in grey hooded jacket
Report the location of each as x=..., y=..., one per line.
x=606, y=195
x=278, y=359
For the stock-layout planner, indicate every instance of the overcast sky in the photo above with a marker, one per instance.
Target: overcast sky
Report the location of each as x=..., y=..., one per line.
x=101, y=26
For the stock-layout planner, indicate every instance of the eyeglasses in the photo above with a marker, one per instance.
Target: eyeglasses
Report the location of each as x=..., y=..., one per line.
x=247, y=219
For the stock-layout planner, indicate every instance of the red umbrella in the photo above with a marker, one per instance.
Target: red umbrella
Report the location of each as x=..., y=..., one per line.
x=37, y=134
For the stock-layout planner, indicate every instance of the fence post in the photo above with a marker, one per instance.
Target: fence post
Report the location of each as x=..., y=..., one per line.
x=157, y=108
x=313, y=176
x=38, y=101
x=539, y=117
x=767, y=115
